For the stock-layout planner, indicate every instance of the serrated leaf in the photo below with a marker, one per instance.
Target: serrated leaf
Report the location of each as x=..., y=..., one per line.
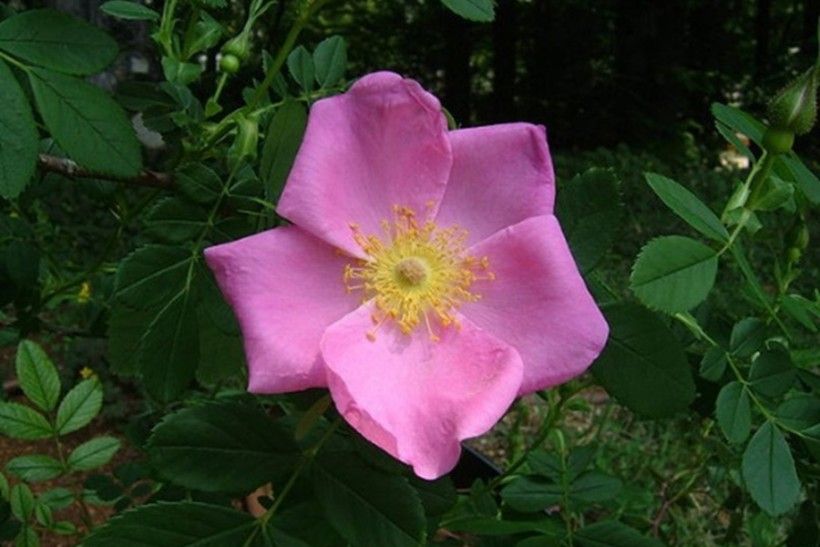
x=613, y=534
x=126, y=327
x=86, y=123
x=482, y=11
x=222, y=447
x=643, y=365
x=152, y=275
x=34, y=468
x=199, y=183
x=93, y=453
x=768, y=471
x=222, y=355
x=530, y=495
x=772, y=372
x=182, y=524
x=590, y=210
x=57, y=41
x=22, y=502
x=173, y=220
x=282, y=141
x=300, y=65
x=330, y=60
x=733, y=412
x=688, y=207
x=367, y=506
x=132, y=11
x=18, y=139
x=169, y=351
x=21, y=422
x=594, y=486
x=79, y=406
x=56, y=498
x=38, y=376
x=674, y=274
x=27, y=538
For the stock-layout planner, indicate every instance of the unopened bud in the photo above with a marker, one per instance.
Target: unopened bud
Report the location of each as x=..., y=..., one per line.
x=794, y=108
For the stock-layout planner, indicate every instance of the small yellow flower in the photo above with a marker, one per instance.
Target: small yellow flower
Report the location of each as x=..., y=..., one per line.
x=87, y=372
x=84, y=294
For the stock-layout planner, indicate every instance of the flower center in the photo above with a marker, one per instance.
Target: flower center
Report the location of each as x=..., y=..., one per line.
x=415, y=273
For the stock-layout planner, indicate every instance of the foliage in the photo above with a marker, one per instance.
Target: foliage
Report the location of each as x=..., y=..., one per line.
x=712, y=345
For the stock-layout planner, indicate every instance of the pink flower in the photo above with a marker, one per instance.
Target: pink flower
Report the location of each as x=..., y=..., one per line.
x=425, y=280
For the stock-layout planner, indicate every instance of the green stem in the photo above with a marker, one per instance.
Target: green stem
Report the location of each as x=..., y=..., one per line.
x=306, y=459
x=284, y=51
x=553, y=415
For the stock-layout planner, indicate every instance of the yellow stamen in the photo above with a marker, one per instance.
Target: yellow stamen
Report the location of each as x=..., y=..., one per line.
x=415, y=272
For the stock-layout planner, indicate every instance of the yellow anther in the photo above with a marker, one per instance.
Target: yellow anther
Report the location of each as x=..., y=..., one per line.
x=414, y=272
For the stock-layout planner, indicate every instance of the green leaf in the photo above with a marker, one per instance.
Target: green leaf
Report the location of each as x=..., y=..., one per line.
x=152, y=275
x=713, y=364
x=437, y=497
x=801, y=412
x=776, y=194
x=169, y=351
x=300, y=65
x=35, y=468
x=643, y=365
x=801, y=309
x=282, y=141
x=482, y=11
x=747, y=336
x=674, y=274
x=367, y=506
x=613, y=534
x=330, y=60
x=182, y=524
x=768, y=470
x=491, y=526
x=22, y=502
x=175, y=221
x=18, y=139
x=530, y=495
x=56, y=498
x=222, y=447
x=180, y=73
x=772, y=372
x=54, y=40
x=221, y=354
x=126, y=327
x=4, y=487
x=38, y=376
x=133, y=11
x=86, y=123
x=734, y=415
x=21, y=422
x=590, y=209
x=27, y=538
x=199, y=183
x=739, y=121
x=805, y=180
x=92, y=454
x=79, y=406
x=594, y=486
x=687, y=206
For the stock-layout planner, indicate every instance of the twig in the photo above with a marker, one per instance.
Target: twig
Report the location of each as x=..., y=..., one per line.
x=66, y=167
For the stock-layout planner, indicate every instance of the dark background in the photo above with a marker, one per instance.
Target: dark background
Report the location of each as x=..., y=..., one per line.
x=597, y=73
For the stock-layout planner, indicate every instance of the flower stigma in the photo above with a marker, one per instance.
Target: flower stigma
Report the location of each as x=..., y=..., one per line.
x=415, y=273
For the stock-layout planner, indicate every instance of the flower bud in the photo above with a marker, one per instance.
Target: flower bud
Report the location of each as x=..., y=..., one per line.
x=229, y=63
x=794, y=108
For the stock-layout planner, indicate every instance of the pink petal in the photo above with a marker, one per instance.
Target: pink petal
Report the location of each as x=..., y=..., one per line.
x=502, y=174
x=538, y=303
x=285, y=287
x=415, y=398
x=383, y=143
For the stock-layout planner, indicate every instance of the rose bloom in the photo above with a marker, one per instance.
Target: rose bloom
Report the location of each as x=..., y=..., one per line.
x=425, y=280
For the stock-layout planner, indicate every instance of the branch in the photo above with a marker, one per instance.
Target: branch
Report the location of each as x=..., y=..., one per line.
x=68, y=168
